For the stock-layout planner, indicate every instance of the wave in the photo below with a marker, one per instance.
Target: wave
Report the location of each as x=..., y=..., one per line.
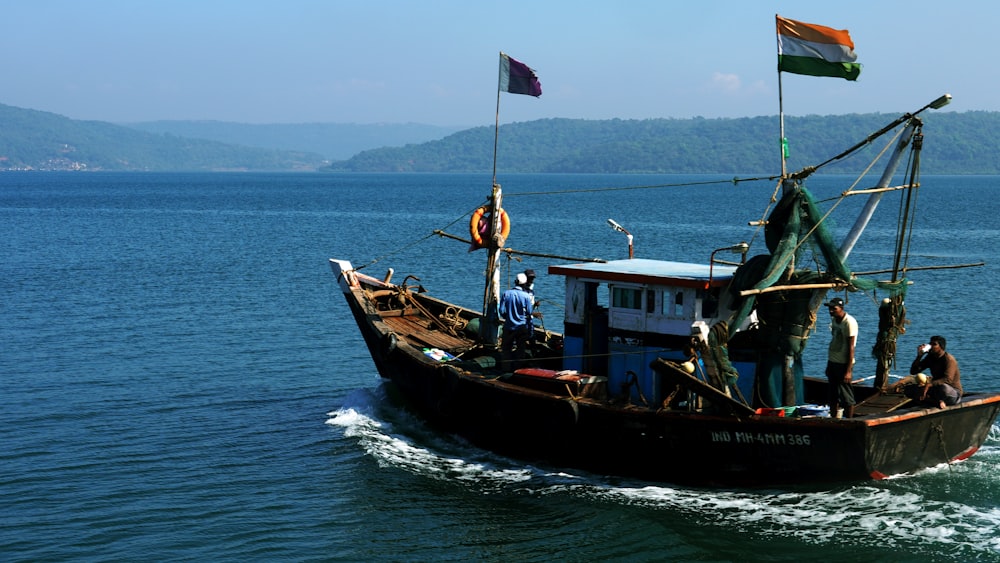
x=936, y=510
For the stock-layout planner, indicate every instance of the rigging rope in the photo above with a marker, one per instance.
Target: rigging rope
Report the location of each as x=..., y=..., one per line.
x=850, y=189
x=509, y=251
x=802, y=174
x=417, y=241
x=805, y=172
x=734, y=180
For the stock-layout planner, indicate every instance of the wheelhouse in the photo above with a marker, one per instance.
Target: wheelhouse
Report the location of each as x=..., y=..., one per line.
x=622, y=315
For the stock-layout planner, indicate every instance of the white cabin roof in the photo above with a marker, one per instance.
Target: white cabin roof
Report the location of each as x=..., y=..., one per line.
x=648, y=272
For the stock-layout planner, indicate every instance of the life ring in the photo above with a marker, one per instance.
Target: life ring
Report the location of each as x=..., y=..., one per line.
x=479, y=228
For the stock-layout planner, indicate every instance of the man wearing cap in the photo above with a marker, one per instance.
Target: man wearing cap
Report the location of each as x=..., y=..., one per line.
x=516, y=306
x=840, y=358
x=945, y=385
x=529, y=274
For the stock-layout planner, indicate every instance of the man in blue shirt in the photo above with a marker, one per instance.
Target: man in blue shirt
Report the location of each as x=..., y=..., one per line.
x=516, y=306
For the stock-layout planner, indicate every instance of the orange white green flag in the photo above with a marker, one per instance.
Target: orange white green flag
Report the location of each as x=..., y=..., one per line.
x=816, y=50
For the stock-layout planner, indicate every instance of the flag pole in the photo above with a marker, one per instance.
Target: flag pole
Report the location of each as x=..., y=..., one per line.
x=781, y=127
x=788, y=385
x=525, y=82
x=490, y=326
x=782, y=142
x=496, y=126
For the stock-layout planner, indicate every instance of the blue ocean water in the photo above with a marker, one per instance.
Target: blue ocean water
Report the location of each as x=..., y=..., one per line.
x=181, y=378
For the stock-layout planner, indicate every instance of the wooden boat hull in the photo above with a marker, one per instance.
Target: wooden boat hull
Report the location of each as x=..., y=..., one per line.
x=560, y=427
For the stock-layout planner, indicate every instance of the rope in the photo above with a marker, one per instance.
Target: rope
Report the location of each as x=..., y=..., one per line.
x=441, y=231
x=605, y=355
x=511, y=252
x=735, y=180
x=908, y=205
x=417, y=241
x=940, y=432
x=848, y=191
x=454, y=321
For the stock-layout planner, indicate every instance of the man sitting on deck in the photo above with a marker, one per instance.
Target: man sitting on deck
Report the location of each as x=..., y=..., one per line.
x=945, y=386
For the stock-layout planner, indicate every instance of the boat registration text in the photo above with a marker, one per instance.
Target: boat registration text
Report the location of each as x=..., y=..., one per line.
x=763, y=438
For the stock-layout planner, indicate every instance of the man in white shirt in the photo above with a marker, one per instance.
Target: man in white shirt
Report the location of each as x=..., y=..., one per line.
x=840, y=359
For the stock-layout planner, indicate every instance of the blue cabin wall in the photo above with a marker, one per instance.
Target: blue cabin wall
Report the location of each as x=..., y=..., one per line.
x=626, y=360
x=640, y=323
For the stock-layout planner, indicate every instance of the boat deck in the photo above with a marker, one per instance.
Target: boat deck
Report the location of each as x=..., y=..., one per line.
x=882, y=404
x=423, y=333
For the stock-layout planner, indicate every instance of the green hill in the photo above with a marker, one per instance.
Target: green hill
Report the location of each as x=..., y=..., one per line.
x=335, y=141
x=37, y=140
x=956, y=143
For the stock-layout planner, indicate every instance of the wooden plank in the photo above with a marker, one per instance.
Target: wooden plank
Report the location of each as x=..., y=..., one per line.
x=415, y=329
x=881, y=403
x=673, y=376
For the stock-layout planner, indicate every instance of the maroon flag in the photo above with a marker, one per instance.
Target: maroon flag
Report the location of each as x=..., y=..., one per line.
x=517, y=78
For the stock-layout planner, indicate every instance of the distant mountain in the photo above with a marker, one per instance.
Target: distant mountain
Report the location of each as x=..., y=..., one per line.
x=335, y=141
x=38, y=140
x=957, y=143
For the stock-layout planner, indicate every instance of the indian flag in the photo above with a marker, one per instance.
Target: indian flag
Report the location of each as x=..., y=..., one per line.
x=816, y=50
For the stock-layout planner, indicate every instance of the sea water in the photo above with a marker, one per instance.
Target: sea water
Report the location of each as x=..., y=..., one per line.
x=181, y=378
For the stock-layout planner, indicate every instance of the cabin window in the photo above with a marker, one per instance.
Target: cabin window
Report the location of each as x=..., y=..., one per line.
x=626, y=298
x=673, y=304
x=650, y=301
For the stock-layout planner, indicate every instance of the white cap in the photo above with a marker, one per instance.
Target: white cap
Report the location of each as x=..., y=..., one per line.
x=522, y=279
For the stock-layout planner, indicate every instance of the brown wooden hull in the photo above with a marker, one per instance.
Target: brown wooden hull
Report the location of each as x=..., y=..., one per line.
x=718, y=447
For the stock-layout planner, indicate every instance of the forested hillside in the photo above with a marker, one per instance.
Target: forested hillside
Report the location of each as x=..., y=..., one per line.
x=335, y=141
x=955, y=143
x=37, y=140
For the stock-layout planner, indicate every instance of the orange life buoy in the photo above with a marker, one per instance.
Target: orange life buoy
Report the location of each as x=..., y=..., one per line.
x=478, y=228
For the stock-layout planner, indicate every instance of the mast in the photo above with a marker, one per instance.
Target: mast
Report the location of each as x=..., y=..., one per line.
x=490, y=326
x=873, y=200
x=869, y=209
x=781, y=129
x=892, y=311
x=517, y=78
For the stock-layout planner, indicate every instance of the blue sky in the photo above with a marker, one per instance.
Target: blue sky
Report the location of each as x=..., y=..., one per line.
x=435, y=62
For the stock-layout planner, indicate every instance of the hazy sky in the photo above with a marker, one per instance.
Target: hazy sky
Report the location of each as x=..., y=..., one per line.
x=435, y=62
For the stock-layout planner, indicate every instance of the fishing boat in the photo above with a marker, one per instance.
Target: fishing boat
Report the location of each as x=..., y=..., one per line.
x=684, y=373
x=678, y=372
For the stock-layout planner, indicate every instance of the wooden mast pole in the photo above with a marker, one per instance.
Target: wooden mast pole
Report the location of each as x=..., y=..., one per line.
x=789, y=392
x=489, y=328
